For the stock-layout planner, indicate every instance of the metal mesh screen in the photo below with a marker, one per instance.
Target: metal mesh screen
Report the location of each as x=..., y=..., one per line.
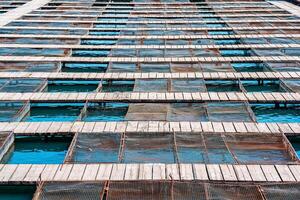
x=179, y=148
x=136, y=190
x=234, y=192
x=147, y=111
x=94, y=148
x=259, y=148
x=70, y=191
x=281, y=191
x=165, y=189
x=190, y=112
x=148, y=148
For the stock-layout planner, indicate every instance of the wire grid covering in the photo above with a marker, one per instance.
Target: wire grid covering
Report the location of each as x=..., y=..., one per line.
x=227, y=191
x=148, y=148
x=70, y=191
x=21, y=85
x=93, y=148
x=29, y=67
x=147, y=111
x=281, y=191
x=293, y=85
x=262, y=148
x=171, y=85
x=12, y=111
x=180, y=190
x=189, y=112
x=181, y=148
x=155, y=190
x=170, y=67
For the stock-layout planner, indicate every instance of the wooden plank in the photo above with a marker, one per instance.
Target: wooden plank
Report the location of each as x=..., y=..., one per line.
x=99, y=127
x=104, y=172
x=256, y=173
x=200, y=172
x=159, y=127
x=131, y=172
x=174, y=127
x=214, y=172
x=218, y=127
x=270, y=173
x=172, y=172
x=295, y=169
x=77, y=172
x=186, y=172
x=20, y=173
x=145, y=171
x=207, y=126
x=228, y=127
x=44, y=126
x=196, y=127
x=285, y=173
x=185, y=126
x=240, y=127
x=34, y=173
x=127, y=97
x=118, y=172
x=159, y=171
x=6, y=172
x=49, y=172
x=228, y=172
x=90, y=172
x=242, y=173
x=63, y=172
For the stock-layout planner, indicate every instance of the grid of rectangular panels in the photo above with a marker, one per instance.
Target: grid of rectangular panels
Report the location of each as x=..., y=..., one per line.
x=213, y=66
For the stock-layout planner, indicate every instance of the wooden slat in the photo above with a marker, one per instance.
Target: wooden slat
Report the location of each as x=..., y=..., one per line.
x=123, y=97
x=242, y=173
x=256, y=173
x=145, y=172
x=34, y=174
x=228, y=172
x=49, y=172
x=172, y=172
x=285, y=173
x=6, y=172
x=186, y=172
x=20, y=172
x=214, y=172
x=118, y=172
x=90, y=172
x=200, y=172
x=295, y=169
x=159, y=171
x=63, y=172
x=162, y=126
x=104, y=172
x=132, y=172
x=77, y=172
x=270, y=173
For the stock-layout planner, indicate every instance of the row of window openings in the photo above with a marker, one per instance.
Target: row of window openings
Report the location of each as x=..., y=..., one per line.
x=104, y=148
x=96, y=42
x=144, y=85
x=150, y=52
x=164, y=67
x=114, y=111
